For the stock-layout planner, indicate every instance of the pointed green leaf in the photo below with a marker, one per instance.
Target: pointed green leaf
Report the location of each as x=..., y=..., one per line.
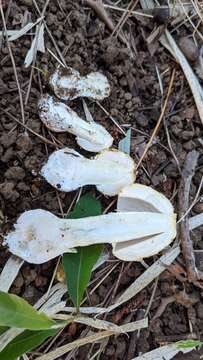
x=24, y=342
x=78, y=266
x=3, y=329
x=16, y=312
x=188, y=344
x=86, y=206
x=125, y=144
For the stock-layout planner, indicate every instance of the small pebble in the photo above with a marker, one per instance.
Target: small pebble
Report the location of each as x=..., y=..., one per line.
x=128, y=96
x=161, y=15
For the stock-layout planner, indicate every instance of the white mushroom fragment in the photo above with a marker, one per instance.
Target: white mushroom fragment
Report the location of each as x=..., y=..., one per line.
x=141, y=198
x=110, y=171
x=59, y=117
x=68, y=84
x=40, y=236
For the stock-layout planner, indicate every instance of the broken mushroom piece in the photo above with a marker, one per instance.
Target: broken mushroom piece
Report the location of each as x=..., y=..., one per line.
x=109, y=171
x=59, y=117
x=141, y=198
x=68, y=84
x=40, y=236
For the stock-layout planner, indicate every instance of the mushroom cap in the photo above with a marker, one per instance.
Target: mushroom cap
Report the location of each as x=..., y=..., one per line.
x=35, y=237
x=109, y=171
x=68, y=84
x=137, y=197
x=143, y=198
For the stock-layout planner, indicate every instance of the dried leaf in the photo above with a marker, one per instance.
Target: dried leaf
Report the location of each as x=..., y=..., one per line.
x=91, y=339
x=9, y=272
x=24, y=30
x=166, y=352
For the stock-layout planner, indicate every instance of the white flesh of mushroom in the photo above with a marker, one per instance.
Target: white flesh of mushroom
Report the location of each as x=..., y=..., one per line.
x=40, y=236
x=110, y=171
x=143, y=198
x=67, y=84
x=58, y=117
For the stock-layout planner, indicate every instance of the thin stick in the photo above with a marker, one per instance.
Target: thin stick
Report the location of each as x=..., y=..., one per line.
x=159, y=120
x=13, y=64
x=183, y=200
x=114, y=121
x=30, y=130
x=194, y=201
x=98, y=7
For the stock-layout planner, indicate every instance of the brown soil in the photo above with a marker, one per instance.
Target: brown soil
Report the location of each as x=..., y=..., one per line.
x=135, y=101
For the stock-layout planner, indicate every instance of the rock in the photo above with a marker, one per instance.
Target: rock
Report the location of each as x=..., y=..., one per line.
x=128, y=96
x=15, y=173
x=8, y=139
x=31, y=294
x=189, y=49
x=8, y=155
x=24, y=143
x=161, y=15
x=26, y=2
x=7, y=189
x=142, y=120
x=199, y=310
x=120, y=348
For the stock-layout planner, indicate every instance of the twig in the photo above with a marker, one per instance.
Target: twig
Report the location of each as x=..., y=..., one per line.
x=98, y=7
x=194, y=201
x=112, y=119
x=159, y=120
x=13, y=63
x=164, y=303
x=124, y=18
x=183, y=200
x=30, y=130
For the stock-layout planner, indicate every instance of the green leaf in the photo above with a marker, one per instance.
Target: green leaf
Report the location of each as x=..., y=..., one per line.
x=78, y=266
x=125, y=143
x=3, y=329
x=188, y=344
x=16, y=312
x=86, y=206
x=24, y=342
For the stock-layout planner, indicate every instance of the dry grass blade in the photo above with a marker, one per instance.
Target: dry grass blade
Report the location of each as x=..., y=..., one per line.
x=166, y=352
x=9, y=272
x=47, y=305
x=24, y=30
x=140, y=283
x=105, y=325
x=8, y=336
x=147, y=277
x=195, y=221
x=37, y=45
x=91, y=339
x=197, y=90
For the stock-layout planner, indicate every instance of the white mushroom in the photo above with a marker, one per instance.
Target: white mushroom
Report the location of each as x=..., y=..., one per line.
x=68, y=84
x=141, y=198
x=59, y=117
x=40, y=236
x=110, y=171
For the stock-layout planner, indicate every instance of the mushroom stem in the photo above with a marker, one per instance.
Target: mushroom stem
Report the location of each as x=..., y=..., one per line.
x=40, y=236
x=59, y=117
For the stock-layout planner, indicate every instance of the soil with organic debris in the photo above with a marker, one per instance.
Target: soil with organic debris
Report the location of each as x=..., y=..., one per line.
x=136, y=100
